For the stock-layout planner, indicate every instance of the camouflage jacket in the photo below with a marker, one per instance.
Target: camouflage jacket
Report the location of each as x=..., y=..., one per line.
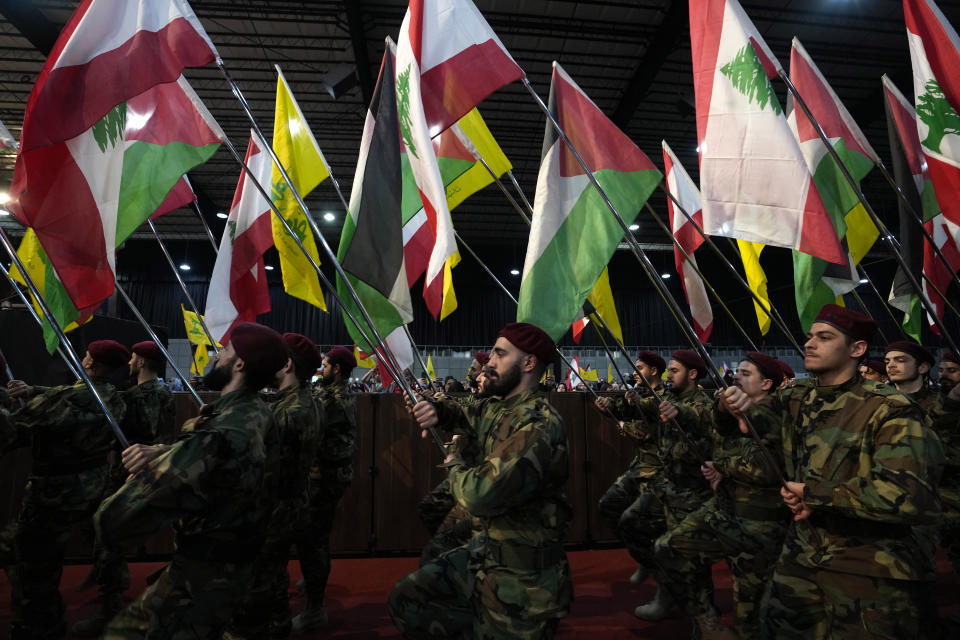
x=870, y=465
x=516, y=489
x=208, y=482
x=291, y=448
x=339, y=432
x=149, y=411
x=65, y=426
x=944, y=414
x=679, y=456
x=646, y=462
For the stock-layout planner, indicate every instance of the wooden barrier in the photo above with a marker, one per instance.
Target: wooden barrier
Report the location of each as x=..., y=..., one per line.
x=393, y=470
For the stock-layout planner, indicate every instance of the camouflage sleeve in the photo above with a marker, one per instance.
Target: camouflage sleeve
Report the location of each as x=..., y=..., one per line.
x=514, y=471
x=622, y=409
x=896, y=474
x=746, y=461
x=168, y=488
x=454, y=417
x=643, y=427
x=42, y=408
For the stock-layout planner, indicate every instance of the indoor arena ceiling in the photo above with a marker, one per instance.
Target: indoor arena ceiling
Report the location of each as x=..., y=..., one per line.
x=632, y=58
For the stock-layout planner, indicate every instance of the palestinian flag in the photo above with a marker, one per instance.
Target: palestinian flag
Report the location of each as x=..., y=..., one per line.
x=685, y=191
x=7, y=140
x=574, y=234
x=86, y=195
x=371, y=243
x=754, y=181
x=935, y=52
x=818, y=282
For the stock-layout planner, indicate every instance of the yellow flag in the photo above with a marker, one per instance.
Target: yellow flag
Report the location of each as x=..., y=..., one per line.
x=589, y=375
x=363, y=360
x=195, y=333
x=602, y=300
x=477, y=177
x=433, y=376
x=300, y=155
x=200, y=360
x=757, y=279
x=449, y=304
x=861, y=232
x=610, y=372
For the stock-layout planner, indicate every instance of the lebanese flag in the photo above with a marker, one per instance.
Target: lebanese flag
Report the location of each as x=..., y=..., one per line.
x=7, y=140
x=685, y=191
x=935, y=52
x=754, y=181
x=109, y=52
x=238, y=287
x=460, y=59
x=438, y=284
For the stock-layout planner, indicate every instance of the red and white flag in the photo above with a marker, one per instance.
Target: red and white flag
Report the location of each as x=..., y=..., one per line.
x=238, y=287
x=755, y=183
x=685, y=191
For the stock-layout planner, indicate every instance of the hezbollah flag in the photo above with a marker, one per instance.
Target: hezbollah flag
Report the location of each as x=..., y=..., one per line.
x=300, y=155
x=756, y=279
x=363, y=360
x=574, y=234
x=818, y=282
x=194, y=327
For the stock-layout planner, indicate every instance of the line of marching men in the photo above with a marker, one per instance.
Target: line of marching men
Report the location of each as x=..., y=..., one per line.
x=252, y=475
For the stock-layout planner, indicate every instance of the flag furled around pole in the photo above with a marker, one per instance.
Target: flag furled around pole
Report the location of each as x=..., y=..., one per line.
x=757, y=280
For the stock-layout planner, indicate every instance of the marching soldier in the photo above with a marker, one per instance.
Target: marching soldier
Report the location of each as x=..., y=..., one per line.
x=947, y=426
x=209, y=482
x=330, y=477
x=70, y=438
x=862, y=470
x=907, y=365
x=874, y=369
x=511, y=580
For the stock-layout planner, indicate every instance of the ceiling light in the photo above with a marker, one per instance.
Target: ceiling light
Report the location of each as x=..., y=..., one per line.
x=184, y=267
x=329, y=217
x=864, y=281
x=514, y=272
x=222, y=215
x=665, y=276
x=268, y=267
x=634, y=227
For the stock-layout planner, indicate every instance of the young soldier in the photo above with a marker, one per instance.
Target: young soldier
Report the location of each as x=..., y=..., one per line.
x=70, y=438
x=511, y=580
x=209, y=482
x=907, y=365
x=947, y=426
x=874, y=370
x=861, y=470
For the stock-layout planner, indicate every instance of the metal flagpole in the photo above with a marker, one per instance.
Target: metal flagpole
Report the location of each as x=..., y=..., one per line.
x=856, y=296
x=183, y=285
x=596, y=329
x=881, y=227
x=206, y=227
x=883, y=302
x=51, y=318
x=9, y=372
x=423, y=365
x=153, y=336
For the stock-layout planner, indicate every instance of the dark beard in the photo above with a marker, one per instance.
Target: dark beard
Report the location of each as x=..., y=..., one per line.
x=218, y=377
x=502, y=385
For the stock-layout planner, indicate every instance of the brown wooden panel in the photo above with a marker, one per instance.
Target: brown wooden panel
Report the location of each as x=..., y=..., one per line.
x=608, y=455
x=353, y=523
x=570, y=406
x=407, y=468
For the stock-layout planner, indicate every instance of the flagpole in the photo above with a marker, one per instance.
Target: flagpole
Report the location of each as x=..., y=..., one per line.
x=596, y=329
x=36, y=318
x=153, y=336
x=423, y=365
x=856, y=296
x=883, y=301
x=206, y=227
x=51, y=318
x=183, y=285
x=881, y=227
x=516, y=185
x=696, y=269
x=765, y=305
x=10, y=376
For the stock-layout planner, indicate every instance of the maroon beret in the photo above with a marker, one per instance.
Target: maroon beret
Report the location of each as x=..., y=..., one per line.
x=148, y=349
x=768, y=366
x=261, y=348
x=913, y=349
x=109, y=352
x=853, y=323
x=876, y=365
x=482, y=358
x=691, y=360
x=530, y=339
x=304, y=349
x=786, y=369
x=344, y=357
x=652, y=359
x=949, y=356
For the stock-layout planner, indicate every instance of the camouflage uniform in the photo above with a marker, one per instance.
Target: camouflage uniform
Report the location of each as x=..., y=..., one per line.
x=511, y=580
x=291, y=447
x=70, y=438
x=210, y=482
x=743, y=523
x=330, y=477
x=856, y=566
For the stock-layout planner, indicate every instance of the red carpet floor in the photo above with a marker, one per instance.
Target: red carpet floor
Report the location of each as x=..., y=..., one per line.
x=603, y=606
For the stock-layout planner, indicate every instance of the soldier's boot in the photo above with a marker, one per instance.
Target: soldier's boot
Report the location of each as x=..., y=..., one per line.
x=93, y=627
x=707, y=626
x=312, y=617
x=660, y=608
x=640, y=575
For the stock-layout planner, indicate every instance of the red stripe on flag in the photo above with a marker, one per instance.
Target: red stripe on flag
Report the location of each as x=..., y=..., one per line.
x=817, y=236
x=433, y=294
x=943, y=57
x=706, y=27
x=168, y=116
x=946, y=180
x=250, y=295
x=768, y=67
x=416, y=30
x=703, y=333
x=906, y=125
x=69, y=100
x=416, y=254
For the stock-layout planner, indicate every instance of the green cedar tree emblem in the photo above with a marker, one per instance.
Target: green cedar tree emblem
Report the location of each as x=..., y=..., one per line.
x=749, y=78
x=232, y=226
x=403, y=110
x=108, y=131
x=935, y=111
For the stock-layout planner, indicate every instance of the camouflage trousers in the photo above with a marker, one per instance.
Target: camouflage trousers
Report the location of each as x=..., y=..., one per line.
x=950, y=526
x=455, y=531
x=6, y=545
x=709, y=534
x=52, y=508
x=621, y=495
x=828, y=605
x=464, y=594
x=265, y=611
x=190, y=599
x=642, y=522
x=435, y=505
x=313, y=544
